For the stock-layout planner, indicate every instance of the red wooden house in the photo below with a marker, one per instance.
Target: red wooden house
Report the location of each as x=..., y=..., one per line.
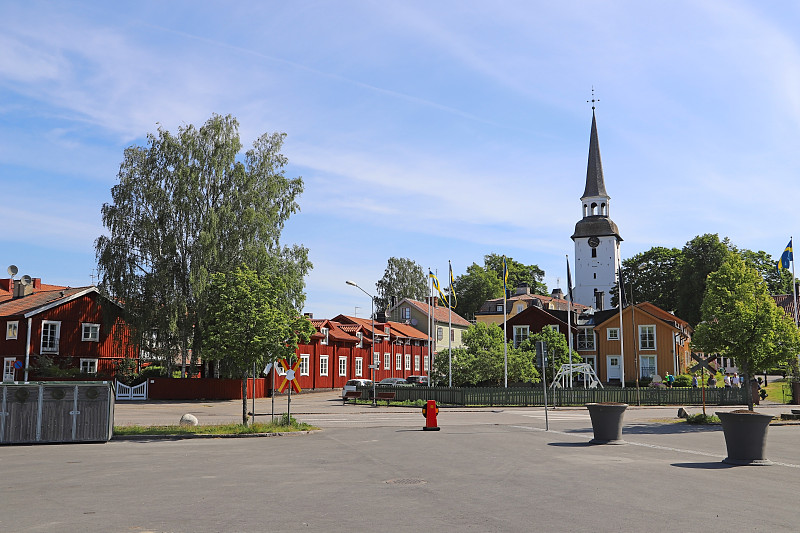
x=76, y=328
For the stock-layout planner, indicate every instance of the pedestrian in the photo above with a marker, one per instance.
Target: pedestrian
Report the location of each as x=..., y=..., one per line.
x=727, y=380
x=694, y=381
x=712, y=382
x=741, y=381
x=670, y=380
x=735, y=380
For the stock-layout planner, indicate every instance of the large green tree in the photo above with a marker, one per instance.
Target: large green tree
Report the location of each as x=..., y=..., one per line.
x=557, y=350
x=653, y=276
x=481, y=361
x=741, y=320
x=518, y=274
x=248, y=323
x=701, y=256
x=474, y=288
x=188, y=205
x=403, y=278
x=777, y=282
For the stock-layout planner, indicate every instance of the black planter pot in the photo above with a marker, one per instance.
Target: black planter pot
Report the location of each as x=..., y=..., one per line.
x=745, y=437
x=607, y=422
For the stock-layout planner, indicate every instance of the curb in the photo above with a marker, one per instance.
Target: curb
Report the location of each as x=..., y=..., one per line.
x=211, y=436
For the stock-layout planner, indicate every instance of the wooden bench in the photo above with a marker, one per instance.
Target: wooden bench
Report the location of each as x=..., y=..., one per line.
x=386, y=395
x=351, y=395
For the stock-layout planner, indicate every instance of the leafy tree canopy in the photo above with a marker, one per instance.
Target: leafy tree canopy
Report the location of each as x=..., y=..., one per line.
x=474, y=288
x=187, y=205
x=403, y=278
x=741, y=320
x=652, y=276
x=518, y=273
x=246, y=325
x=557, y=349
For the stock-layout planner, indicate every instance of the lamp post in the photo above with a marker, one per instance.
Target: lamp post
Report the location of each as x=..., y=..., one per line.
x=372, y=316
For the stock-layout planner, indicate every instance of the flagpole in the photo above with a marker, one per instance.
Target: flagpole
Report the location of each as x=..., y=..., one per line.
x=430, y=328
x=621, y=298
x=794, y=295
x=505, y=326
x=569, y=322
x=450, y=322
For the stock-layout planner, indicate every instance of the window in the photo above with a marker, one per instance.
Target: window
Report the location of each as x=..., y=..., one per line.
x=376, y=359
x=499, y=308
x=281, y=370
x=304, y=364
x=408, y=361
x=50, y=335
x=585, y=339
x=594, y=252
x=398, y=362
x=647, y=337
x=452, y=335
x=324, y=332
x=554, y=327
x=405, y=313
x=12, y=329
x=520, y=334
x=439, y=334
x=387, y=361
x=520, y=308
x=360, y=337
x=416, y=363
x=426, y=363
x=323, y=365
x=90, y=332
x=647, y=366
x=359, y=366
x=612, y=334
x=342, y=366
x=89, y=366
x=387, y=330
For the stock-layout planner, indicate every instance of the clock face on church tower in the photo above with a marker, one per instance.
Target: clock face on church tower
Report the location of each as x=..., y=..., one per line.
x=594, y=242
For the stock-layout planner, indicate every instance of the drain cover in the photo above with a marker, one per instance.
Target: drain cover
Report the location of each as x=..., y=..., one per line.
x=406, y=481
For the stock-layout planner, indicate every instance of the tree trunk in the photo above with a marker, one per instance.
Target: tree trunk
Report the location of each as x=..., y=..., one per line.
x=244, y=399
x=749, y=387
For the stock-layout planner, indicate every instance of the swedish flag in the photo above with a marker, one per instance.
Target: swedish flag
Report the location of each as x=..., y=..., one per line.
x=505, y=277
x=786, y=258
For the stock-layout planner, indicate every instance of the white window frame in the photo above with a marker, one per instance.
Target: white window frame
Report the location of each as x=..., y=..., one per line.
x=398, y=361
x=92, y=329
x=405, y=313
x=387, y=361
x=324, y=332
x=46, y=324
x=376, y=359
x=323, y=365
x=360, y=337
x=281, y=370
x=89, y=364
x=9, y=371
x=12, y=329
x=612, y=334
x=498, y=308
x=439, y=333
x=520, y=308
x=583, y=339
x=520, y=334
x=554, y=327
x=426, y=363
x=342, y=365
x=408, y=361
x=359, y=366
x=416, y=363
x=654, y=366
x=305, y=359
x=651, y=328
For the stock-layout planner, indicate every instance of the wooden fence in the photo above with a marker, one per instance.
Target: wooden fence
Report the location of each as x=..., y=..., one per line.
x=534, y=396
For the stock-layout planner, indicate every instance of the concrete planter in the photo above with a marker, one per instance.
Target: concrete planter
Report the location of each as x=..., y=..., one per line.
x=745, y=437
x=607, y=422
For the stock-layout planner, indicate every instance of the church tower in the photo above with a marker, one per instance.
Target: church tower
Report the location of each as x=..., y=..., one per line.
x=596, y=236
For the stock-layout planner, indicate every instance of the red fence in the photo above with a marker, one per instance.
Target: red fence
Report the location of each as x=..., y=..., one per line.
x=206, y=389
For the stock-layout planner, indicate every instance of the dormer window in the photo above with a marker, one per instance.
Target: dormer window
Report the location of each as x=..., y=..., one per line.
x=360, y=337
x=324, y=332
x=405, y=313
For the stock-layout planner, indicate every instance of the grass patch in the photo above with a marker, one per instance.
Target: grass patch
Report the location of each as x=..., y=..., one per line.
x=779, y=391
x=700, y=418
x=222, y=429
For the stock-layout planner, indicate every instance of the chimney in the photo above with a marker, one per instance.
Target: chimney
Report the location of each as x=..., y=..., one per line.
x=522, y=289
x=21, y=290
x=309, y=316
x=558, y=294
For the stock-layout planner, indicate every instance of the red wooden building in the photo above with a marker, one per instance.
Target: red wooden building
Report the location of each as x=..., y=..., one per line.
x=76, y=328
x=340, y=350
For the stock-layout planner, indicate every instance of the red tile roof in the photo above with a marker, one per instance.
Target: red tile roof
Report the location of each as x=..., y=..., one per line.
x=440, y=314
x=39, y=299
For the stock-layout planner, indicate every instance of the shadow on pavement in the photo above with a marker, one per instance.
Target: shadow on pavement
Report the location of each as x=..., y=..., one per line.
x=571, y=444
x=716, y=465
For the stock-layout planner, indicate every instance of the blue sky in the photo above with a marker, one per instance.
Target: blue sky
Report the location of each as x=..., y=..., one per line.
x=428, y=130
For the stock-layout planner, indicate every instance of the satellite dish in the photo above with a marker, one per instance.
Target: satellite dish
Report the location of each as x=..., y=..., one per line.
x=12, y=270
x=25, y=280
x=413, y=321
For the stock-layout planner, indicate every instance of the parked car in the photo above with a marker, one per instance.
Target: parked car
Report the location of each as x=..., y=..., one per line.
x=418, y=380
x=353, y=383
x=393, y=382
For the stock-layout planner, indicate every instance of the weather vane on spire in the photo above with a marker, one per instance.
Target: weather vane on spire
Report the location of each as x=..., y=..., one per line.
x=593, y=100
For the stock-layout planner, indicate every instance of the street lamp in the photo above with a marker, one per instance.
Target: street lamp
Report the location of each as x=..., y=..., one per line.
x=372, y=315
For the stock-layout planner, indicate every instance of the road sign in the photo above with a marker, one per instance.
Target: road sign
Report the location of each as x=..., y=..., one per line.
x=541, y=354
x=703, y=363
x=18, y=365
x=374, y=366
x=291, y=376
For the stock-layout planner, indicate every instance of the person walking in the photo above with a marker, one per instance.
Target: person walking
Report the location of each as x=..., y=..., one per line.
x=694, y=381
x=712, y=382
x=735, y=380
x=727, y=380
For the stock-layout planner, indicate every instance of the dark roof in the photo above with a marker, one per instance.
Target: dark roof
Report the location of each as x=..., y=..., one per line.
x=595, y=225
x=595, y=186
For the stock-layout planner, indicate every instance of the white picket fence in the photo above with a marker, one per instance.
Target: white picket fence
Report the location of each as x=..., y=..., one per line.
x=125, y=392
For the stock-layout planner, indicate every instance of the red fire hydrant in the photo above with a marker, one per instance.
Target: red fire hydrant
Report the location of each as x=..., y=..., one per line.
x=429, y=411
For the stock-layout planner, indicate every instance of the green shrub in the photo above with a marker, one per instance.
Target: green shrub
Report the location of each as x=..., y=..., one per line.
x=702, y=419
x=684, y=380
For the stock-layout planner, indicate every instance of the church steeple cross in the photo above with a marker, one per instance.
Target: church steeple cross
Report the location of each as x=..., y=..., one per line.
x=593, y=100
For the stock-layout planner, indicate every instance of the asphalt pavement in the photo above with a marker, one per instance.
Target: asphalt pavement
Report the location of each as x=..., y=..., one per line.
x=373, y=468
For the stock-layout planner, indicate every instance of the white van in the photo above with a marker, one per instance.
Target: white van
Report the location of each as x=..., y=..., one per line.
x=353, y=383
